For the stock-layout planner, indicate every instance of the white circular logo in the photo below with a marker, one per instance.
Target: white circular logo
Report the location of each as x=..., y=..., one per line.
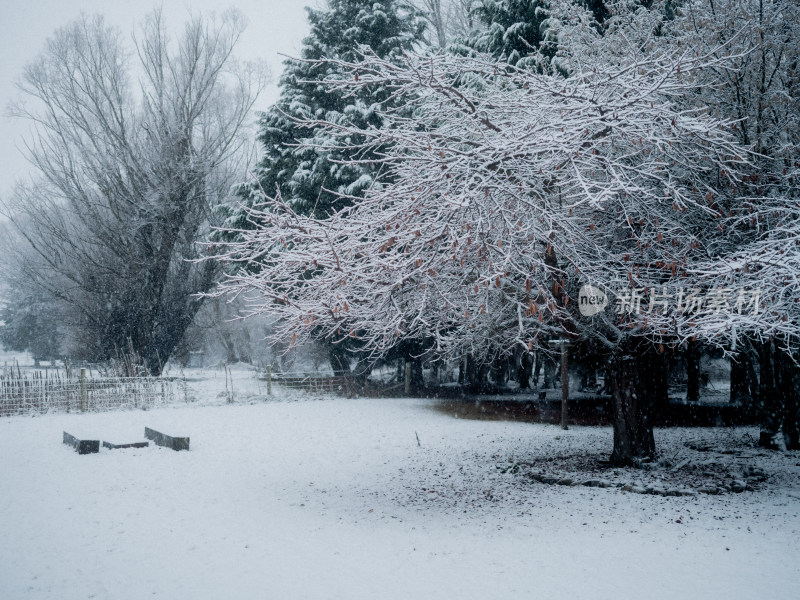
x=591, y=300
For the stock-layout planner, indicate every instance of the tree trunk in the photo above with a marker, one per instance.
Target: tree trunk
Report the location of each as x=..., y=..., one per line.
x=437, y=19
x=739, y=393
x=225, y=336
x=769, y=401
x=339, y=359
x=549, y=368
x=786, y=371
x=499, y=370
x=436, y=366
x=537, y=367
x=634, y=390
x=417, y=375
x=476, y=374
x=692, y=355
x=752, y=379
x=524, y=370
x=564, y=385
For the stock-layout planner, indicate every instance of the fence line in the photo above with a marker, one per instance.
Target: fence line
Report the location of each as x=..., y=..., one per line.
x=343, y=385
x=313, y=382
x=38, y=393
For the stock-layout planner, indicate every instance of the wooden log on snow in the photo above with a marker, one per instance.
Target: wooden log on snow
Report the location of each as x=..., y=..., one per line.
x=161, y=439
x=111, y=446
x=82, y=446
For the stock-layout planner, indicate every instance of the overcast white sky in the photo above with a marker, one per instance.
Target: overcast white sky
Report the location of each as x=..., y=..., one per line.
x=276, y=26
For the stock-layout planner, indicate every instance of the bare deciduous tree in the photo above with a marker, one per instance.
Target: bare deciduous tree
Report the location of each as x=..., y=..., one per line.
x=447, y=19
x=134, y=148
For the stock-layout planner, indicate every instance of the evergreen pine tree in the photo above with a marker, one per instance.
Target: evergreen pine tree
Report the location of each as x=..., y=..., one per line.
x=517, y=29
x=302, y=173
x=514, y=29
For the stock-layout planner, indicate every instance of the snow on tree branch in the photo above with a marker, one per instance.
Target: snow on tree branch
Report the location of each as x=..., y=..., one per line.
x=503, y=192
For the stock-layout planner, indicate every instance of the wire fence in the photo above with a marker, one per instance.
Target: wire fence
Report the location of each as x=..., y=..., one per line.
x=325, y=383
x=38, y=393
x=313, y=382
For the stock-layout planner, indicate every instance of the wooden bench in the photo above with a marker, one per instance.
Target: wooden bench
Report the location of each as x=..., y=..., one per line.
x=160, y=439
x=82, y=446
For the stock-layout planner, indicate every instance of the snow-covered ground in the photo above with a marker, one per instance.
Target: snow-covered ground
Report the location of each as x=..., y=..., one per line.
x=302, y=497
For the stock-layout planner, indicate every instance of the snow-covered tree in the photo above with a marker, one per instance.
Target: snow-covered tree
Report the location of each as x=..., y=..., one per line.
x=133, y=148
x=761, y=91
x=500, y=200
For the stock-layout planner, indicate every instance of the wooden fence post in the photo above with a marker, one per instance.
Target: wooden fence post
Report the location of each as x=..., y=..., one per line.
x=408, y=379
x=84, y=402
x=269, y=380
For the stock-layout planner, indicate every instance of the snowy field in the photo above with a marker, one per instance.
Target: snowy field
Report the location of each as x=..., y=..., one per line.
x=302, y=497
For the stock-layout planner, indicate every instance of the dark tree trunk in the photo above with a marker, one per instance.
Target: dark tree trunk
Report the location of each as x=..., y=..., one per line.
x=476, y=374
x=740, y=391
x=363, y=369
x=499, y=370
x=791, y=422
x=537, y=368
x=549, y=368
x=524, y=370
x=417, y=376
x=435, y=366
x=752, y=379
x=584, y=361
x=339, y=359
x=778, y=399
x=692, y=356
x=769, y=401
x=786, y=372
x=638, y=385
x=744, y=382
x=178, y=310
x=471, y=374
